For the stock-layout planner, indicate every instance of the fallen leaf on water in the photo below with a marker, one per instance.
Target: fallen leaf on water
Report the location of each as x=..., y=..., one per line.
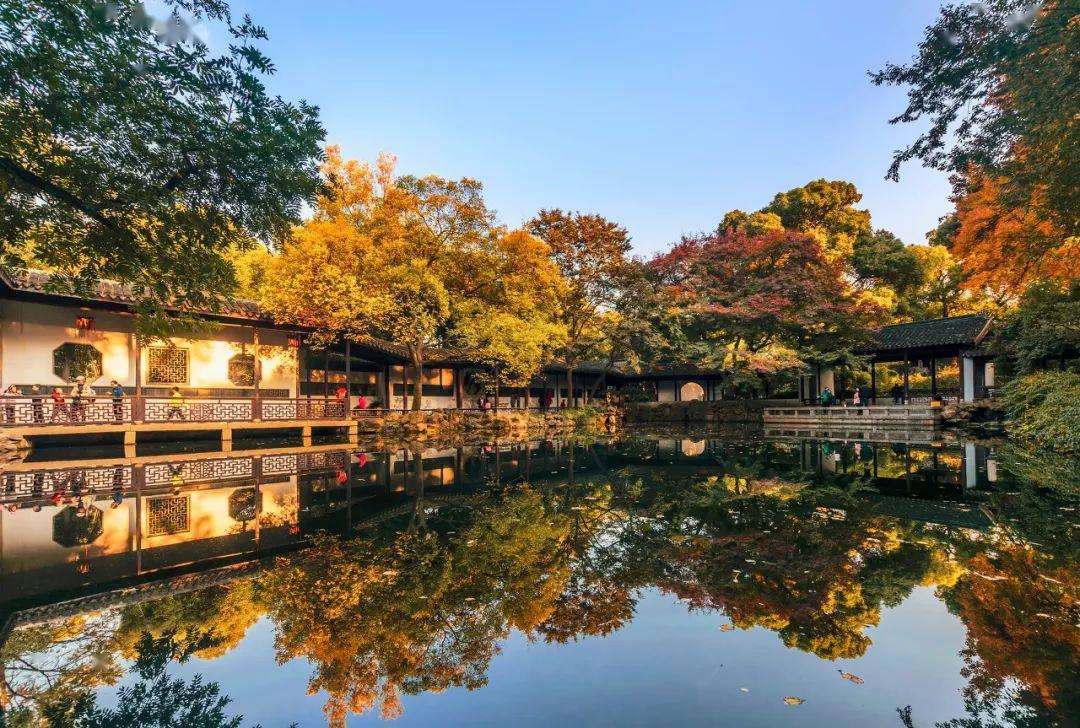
x=744, y=690
x=853, y=678
x=1049, y=579
x=1044, y=614
x=792, y=700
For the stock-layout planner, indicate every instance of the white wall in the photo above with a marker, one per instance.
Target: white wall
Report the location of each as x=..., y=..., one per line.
x=31, y=331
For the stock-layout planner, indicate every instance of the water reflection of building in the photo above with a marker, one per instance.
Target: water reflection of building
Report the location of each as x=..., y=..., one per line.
x=63, y=530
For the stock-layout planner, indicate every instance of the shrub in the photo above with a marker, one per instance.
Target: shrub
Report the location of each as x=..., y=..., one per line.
x=1044, y=409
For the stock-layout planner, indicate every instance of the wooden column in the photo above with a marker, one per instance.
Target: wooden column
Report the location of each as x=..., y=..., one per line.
x=873, y=383
x=326, y=372
x=137, y=407
x=387, y=388
x=933, y=377
x=348, y=377
x=459, y=391
x=257, y=372
x=907, y=371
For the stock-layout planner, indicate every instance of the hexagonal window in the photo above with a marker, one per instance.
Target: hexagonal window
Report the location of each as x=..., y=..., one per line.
x=72, y=360
x=242, y=370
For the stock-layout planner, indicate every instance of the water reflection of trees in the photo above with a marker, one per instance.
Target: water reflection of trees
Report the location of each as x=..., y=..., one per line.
x=422, y=602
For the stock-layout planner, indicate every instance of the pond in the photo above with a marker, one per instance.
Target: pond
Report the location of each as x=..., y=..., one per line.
x=685, y=578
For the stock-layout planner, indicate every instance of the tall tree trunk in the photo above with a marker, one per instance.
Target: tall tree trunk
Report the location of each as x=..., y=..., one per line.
x=418, y=376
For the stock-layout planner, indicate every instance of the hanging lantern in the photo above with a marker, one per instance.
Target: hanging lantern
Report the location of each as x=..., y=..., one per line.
x=84, y=323
x=295, y=341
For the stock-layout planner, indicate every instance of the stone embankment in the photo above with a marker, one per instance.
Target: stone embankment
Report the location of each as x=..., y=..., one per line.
x=443, y=424
x=749, y=411
x=12, y=447
x=979, y=417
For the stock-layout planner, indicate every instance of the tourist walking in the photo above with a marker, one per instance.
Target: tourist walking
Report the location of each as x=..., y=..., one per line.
x=897, y=394
x=59, y=406
x=361, y=402
x=827, y=397
x=176, y=405
x=9, y=406
x=117, y=401
x=81, y=395
x=865, y=395
x=36, y=406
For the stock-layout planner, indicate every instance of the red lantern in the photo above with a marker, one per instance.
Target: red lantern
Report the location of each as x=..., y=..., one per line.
x=294, y=341
x=84, y=323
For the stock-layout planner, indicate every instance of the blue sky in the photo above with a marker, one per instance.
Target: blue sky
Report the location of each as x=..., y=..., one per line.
x=659, y=115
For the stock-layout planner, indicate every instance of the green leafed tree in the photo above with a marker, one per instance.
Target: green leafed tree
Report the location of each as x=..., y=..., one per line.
x=129, y=150
x=994, y=85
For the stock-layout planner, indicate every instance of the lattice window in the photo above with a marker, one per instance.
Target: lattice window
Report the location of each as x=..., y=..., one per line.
x=168, y=515
x=242, y=370
x=167, y=365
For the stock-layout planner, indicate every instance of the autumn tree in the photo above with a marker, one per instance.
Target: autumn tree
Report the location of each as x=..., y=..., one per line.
x=591, y=253
x=754, y=302
x=994, y=84
x=1004, y=249
x=415, y=260
x=130, y=151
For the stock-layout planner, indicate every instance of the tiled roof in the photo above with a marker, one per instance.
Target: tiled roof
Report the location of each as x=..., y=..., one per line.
x=38, y=282
x=963, y=331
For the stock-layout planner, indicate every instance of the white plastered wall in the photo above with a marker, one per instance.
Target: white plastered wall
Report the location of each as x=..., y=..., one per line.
x=31, y=331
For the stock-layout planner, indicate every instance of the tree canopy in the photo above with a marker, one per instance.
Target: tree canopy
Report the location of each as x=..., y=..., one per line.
x=422, y=262
x=130, y=151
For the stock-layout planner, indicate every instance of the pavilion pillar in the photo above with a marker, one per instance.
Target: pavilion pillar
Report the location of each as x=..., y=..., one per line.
x=326, y=372
x=137, y=407
x=459, y=394
x=873, y=383
x=678, y=395
x=348, y=377
x=907, y=377
x=386, y=387
x=257, y=371
x=933, y=377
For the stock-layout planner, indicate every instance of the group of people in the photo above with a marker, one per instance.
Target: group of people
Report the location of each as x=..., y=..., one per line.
x=69, y=408
x=861, y=397
x=72, y=406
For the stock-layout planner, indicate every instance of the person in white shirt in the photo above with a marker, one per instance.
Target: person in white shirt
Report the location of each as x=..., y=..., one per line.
x=81, y=393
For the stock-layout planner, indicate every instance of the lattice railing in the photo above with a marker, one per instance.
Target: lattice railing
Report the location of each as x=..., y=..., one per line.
x=22, y=411
x=73, y=481
x=45, y=483
x=42, y=411
x=198, y=410
x=199, y=471
x=302, y=409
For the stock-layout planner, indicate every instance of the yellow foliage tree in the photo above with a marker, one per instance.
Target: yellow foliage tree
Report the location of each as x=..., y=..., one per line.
x=417, y=260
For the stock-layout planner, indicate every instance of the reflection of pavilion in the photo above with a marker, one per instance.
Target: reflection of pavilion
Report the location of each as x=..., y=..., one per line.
x=158, y=516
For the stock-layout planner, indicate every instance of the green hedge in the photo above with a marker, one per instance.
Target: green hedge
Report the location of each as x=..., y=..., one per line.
x=1044, y=409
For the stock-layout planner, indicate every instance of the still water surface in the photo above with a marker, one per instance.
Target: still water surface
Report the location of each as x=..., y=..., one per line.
x=679, y=580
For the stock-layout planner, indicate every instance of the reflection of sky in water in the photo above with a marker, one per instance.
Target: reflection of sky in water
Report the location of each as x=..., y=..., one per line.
x=667, y=667
x=726, y=522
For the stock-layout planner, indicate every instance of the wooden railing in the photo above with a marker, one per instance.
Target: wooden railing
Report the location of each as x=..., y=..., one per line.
x=106, y=410
x=100, y=480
